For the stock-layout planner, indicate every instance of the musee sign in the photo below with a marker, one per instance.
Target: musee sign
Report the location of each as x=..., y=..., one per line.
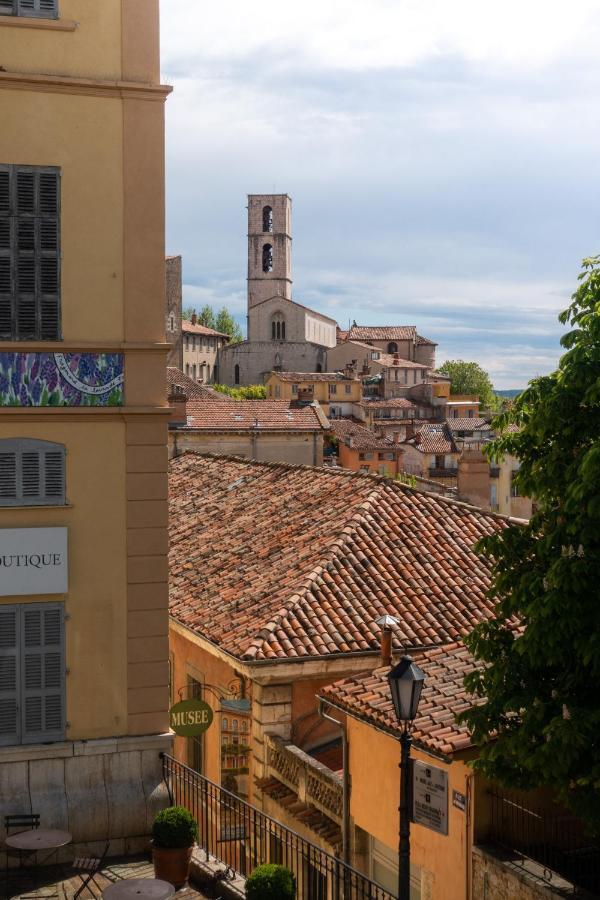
x=33, y=561
x=190, y=717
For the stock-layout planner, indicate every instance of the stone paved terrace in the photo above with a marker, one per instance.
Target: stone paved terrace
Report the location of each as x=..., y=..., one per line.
x=40, y=884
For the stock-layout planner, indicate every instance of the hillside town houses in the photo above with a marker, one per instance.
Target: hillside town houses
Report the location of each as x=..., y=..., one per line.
x=261, y=528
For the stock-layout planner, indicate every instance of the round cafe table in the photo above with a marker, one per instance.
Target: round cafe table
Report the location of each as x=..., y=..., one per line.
x=139, y=889
x=38, y=839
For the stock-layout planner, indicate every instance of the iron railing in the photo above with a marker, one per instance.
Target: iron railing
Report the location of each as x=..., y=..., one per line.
x=242, y=837
x=552, y=837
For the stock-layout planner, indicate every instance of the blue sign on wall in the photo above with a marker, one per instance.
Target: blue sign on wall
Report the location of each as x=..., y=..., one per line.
x=62, y=379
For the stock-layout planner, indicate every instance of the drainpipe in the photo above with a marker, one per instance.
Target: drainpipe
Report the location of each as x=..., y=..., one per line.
x=345, y=782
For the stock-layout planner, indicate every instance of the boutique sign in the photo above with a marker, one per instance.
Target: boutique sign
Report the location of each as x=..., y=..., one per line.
x=33, y=561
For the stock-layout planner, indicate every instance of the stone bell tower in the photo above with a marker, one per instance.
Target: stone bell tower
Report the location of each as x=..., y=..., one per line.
x=269, y=247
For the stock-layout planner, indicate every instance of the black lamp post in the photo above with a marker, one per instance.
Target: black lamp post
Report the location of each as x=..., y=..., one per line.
x=406, y=683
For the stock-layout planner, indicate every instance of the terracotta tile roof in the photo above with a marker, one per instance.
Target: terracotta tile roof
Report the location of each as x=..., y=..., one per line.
x=394, y=362
x=304, y=377
x=275, y=561
x=241, y=415
x=423, y=341
x=193, y=390
x=392, y=403
x=362, y=438
x=188, y=328
x=382, y=333
x=368, y=697
x=466, y=424
x=433, y=437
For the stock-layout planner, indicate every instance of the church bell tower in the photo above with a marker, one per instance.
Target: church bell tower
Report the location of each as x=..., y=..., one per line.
x=269, y=247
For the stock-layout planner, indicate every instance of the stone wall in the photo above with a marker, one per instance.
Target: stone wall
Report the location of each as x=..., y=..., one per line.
x=300, y=448
x=257, y=358
x=94, y=789
x=499, y=875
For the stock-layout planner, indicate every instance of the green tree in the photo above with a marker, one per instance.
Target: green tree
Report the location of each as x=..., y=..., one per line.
x=469, y=378
x=251, y=392
x=207, y=318
x=226, y=324
x=538, y=721
x=187, y=313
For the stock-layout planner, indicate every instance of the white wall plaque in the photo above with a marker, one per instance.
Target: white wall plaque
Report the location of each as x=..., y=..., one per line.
x=33, y=561
x=430, y=797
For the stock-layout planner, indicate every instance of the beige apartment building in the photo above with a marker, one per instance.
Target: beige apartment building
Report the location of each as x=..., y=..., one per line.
x=83, y=423
x=201, y=347
x=335, y=392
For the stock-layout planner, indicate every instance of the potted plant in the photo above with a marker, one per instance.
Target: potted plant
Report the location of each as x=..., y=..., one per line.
x=271, y=882
x=174, y=833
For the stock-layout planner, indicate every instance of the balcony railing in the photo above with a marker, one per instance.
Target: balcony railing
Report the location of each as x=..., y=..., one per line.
x=550, y=836
x=313, y=782
x=440, y=472
x=242, y=837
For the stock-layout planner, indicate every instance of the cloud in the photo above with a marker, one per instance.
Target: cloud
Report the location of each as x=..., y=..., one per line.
x=442, y=159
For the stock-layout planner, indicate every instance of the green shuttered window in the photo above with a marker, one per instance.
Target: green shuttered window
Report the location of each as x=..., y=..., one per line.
x=29, y=253
x=32, y=673
x=32, y=473
x=40, y=9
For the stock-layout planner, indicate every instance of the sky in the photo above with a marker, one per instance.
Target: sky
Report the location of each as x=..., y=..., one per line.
x=443, y=160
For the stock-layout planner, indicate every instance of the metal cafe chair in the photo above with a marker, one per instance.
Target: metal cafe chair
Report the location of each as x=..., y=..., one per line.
x=89, y=867
x=15, y=824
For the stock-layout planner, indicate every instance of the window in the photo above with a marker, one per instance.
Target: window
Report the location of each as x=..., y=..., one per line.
x=43, y=9
x=32, y=673
x=333, y=388
x=348, y=388
x=470, y=414
x=187, y=342
x=236, y=374
x=267, y=258
x=278, y=328
x=368, y=455
x=224, y=723
x=267, y=219
x=32, y=473
x=187, y=369
x=29, y=253
x=440, y=462
x=392, y=347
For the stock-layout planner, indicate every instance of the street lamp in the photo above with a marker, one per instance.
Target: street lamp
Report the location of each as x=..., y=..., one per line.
x=406, y=683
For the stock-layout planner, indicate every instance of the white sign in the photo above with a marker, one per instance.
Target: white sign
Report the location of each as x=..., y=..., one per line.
x=33, y=561
x=430, y=797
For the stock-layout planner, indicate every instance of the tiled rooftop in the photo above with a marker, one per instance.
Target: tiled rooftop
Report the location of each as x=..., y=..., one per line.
x=382, y=333
x=193, y=390
x=392, y=403
x=466, y=424
x=308, y=377
x=241, y=415
x=362, y=438
x=272, y=561
x=188, y=328
x=434, y=437
x=368, y=697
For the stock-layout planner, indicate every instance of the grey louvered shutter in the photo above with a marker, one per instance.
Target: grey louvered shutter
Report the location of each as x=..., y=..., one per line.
x=6, y=245
x=8, y=475
x=9, y=676
x=32, y=473
x=42, y=8
x=42, y=673
x=48, y=200
x=8, y=7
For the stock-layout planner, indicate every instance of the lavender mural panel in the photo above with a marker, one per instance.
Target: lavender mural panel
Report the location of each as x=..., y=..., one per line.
x=62, y=379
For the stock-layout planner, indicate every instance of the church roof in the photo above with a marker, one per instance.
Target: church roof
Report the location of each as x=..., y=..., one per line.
x=300, y=305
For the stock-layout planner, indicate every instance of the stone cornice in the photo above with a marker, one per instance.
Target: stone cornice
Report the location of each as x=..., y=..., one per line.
x=59, y=84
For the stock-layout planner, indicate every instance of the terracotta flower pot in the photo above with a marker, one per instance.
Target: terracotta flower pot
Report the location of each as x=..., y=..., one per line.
x=172, y=865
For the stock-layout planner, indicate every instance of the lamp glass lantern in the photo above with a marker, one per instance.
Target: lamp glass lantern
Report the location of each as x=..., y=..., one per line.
x=406, y=683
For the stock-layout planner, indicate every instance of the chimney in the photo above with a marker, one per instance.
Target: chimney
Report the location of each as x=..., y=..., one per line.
x=350, y=441
x=177, y=400
x=194, y=318
x=386, y=623
x=396, y=358
x=397, y=437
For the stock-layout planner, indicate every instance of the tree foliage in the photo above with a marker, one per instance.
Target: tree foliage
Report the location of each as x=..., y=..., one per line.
x=250, y=392
x=207, y=318
x=469, y=378
x=226, y=324
x=539, y=723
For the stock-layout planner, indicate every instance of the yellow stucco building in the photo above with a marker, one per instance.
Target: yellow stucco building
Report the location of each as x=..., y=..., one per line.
x=83, y=424
x=334, y=391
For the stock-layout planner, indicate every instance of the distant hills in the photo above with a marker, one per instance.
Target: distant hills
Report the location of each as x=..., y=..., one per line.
x=514, y=392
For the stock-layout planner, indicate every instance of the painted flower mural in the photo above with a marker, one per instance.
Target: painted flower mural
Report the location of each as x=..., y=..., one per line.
x=61, y=379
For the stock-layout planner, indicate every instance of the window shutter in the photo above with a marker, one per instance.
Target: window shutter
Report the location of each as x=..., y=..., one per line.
x=8, y=476
x=32, y=472
x=42, y=673
x=9, y=676
x=49, y=256
x=30, y=476
x=5, y=252
x=7, y=7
